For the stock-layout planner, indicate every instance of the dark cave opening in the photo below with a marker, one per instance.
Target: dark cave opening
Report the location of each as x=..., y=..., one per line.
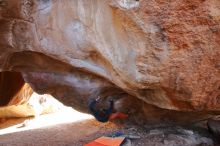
x=10, y=84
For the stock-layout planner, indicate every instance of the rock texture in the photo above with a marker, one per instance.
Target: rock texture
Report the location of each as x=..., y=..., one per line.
x=164, y=53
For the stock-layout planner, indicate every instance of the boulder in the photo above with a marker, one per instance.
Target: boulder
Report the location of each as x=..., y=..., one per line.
x=161, y=54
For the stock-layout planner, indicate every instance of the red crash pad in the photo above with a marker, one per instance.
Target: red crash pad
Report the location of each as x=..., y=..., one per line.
x=106, y=141
x=118, y=115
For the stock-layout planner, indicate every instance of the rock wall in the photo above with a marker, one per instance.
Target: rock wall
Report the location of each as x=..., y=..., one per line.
x=164, y=53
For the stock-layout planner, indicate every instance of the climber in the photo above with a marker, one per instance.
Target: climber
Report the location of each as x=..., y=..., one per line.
x=104, y=115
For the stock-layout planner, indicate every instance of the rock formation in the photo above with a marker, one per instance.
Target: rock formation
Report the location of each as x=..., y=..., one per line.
x=161, y=54
x=19, y=100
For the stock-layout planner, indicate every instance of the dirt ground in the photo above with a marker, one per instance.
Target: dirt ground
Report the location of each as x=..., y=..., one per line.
x=76, y=129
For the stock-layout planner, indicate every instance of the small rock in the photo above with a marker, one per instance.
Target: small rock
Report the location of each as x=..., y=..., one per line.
x=207, y=141
x=156, y=132
x=186, y=132
x=132, y=136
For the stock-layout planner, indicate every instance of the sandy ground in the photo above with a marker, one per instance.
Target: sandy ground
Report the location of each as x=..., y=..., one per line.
x=74, y=134
x=59, y=129
x=75, y=129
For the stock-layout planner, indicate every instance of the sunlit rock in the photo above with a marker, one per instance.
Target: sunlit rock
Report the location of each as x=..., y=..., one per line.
x=164, y=54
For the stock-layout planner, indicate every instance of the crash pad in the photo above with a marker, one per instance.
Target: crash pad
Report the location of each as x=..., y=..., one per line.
x=93, y=143
x=106, y=141
x=118, y=115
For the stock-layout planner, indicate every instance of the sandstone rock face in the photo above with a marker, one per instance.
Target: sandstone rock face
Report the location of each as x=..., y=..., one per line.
x=163, y=53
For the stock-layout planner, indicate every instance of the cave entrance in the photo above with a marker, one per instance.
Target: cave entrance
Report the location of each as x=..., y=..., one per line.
x=20, y=105
x=10, y=84
x=69, y=127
